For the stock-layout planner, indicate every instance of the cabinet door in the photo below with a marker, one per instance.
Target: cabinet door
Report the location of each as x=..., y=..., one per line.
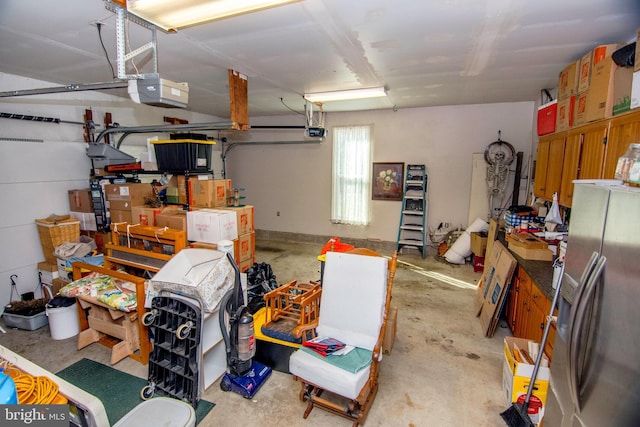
x=542, y=158
x=523, y=306
x=572, y=149
x=593, y=146
x=535, y=327
x=554, y=166
x=512, y=304
x=623, y=131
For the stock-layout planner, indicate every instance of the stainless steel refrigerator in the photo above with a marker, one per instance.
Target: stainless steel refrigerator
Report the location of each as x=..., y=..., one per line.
x=595, y=369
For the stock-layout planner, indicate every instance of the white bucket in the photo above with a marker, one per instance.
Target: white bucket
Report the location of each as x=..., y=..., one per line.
x=63, y=322
x=225, y=246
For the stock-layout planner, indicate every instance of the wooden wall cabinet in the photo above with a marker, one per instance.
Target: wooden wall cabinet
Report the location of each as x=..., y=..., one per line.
x=594, y=140
x=542, y=159
x=623, y=131
x=549, y=165
x=590, y=151
x=570, y=167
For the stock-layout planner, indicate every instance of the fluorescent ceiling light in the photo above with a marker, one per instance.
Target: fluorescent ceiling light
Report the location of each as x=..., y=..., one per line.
x=171, y=14
x=343, y=95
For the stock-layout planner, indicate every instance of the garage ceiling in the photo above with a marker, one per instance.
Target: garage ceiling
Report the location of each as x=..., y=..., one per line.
x=426, y=53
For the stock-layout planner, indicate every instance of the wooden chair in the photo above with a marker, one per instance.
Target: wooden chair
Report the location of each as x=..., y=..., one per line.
x=356, y=295
x=291, y=308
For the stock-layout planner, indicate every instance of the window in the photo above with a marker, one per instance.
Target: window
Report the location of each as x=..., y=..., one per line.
x=351, y=175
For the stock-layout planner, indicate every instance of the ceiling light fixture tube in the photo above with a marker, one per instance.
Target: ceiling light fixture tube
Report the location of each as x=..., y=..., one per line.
x=173, y=15
x=343, y=95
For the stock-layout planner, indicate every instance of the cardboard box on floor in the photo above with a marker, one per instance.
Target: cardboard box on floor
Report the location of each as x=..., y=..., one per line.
x=516, y=377
x=496, y=279
x=479, y=243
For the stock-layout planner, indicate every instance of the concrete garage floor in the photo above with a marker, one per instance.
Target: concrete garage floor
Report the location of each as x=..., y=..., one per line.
x=442, y=370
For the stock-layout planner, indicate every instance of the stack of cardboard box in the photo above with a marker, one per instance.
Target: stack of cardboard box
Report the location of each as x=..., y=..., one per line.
x=122, y=198
x=207, y=227
x=208, y=220
x=593, y=88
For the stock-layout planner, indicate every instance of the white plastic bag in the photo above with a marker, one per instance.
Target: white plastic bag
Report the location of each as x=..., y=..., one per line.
x=553, y=218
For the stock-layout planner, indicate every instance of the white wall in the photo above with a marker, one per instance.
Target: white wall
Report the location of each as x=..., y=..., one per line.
x=296, y=180
x=35, y=176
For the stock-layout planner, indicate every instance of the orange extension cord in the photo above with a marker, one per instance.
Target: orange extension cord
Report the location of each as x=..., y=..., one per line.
x=32, y=390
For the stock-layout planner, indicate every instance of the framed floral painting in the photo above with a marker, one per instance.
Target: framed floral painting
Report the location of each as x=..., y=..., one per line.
x=387, y=181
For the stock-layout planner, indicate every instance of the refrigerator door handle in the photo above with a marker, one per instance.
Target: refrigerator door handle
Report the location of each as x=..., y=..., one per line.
x=577, y=333
x=579, y=292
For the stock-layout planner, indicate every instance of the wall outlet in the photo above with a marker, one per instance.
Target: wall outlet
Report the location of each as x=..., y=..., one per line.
x=278, y=213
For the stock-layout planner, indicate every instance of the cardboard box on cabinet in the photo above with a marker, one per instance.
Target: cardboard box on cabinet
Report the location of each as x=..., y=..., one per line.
x=568, y=81
x=622, y=86
x=635, y=90
x=565, y=113
x=580, y=109
x=636, y=64
x=589, y=60
x=601, y=97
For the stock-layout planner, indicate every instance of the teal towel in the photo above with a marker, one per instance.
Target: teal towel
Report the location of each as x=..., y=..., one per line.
x=354, y=361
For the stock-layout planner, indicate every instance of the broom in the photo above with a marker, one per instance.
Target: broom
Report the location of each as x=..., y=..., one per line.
x=517, y=415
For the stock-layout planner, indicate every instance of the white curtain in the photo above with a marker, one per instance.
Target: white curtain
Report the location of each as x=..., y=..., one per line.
x=351, y=175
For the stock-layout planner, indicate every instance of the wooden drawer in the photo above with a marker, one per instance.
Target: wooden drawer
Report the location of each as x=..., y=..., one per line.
x=540, y=299
x=525, y=280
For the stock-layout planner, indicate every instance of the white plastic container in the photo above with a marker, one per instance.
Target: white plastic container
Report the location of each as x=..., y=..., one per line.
x=63, y=321
x=225, y=246
x=160, y=411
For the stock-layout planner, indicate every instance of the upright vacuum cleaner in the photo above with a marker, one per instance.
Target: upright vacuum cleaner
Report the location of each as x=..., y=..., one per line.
x=244, y=375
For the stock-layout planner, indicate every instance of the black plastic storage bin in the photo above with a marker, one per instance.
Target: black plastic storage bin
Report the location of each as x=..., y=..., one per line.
x=183, y=155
